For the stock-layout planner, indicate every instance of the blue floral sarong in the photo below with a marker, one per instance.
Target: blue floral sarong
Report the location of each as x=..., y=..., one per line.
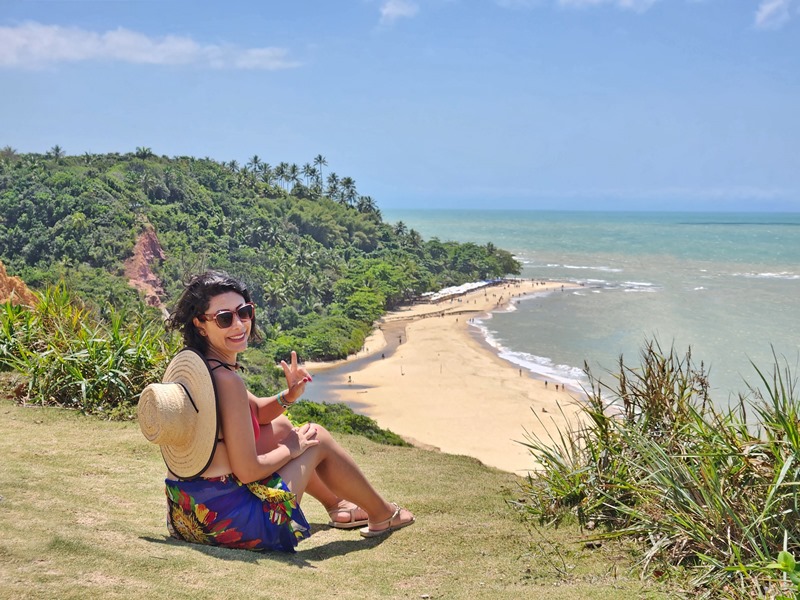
x=223, y=511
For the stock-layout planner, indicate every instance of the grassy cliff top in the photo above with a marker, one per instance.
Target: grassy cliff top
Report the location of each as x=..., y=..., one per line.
x=82, y=511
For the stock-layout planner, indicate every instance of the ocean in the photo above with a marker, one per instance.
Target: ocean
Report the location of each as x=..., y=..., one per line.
x=725, y=285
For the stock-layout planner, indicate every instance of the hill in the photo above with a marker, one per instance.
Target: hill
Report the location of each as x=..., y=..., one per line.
x=125, y=230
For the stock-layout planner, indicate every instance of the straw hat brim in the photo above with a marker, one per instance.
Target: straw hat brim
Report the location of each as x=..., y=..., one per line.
x=191, y=452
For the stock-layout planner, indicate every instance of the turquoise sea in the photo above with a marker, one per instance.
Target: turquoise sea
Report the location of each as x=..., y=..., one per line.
x=726, y=285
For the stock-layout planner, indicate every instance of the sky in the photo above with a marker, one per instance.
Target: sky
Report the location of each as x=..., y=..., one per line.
x=452, y=104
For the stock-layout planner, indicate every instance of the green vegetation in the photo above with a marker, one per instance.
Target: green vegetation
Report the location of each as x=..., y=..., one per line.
x=317, y=256
x=340, y=418
x=699, y=488
x=73, y=359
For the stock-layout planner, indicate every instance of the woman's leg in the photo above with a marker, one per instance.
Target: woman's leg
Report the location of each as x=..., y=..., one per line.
x=340, y=474
x=338, y=508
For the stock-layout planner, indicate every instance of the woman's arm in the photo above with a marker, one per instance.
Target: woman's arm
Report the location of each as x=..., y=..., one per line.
x=271, y=407
x=240, y=443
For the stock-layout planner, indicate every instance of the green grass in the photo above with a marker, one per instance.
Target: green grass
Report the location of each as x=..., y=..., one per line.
x=82, y=516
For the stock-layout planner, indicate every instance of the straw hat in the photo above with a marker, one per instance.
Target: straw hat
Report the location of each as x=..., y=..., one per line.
x=180, y=414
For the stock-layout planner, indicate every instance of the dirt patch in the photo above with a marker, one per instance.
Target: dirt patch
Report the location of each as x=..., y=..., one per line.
x=14, y=289
x=138, y=268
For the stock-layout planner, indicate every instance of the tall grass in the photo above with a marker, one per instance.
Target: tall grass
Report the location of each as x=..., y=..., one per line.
x=74, y=359
x=702, y=488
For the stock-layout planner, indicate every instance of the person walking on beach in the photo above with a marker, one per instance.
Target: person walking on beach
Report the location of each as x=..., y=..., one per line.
x=239, y=482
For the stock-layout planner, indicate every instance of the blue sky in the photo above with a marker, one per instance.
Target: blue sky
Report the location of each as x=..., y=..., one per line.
x=541, y=104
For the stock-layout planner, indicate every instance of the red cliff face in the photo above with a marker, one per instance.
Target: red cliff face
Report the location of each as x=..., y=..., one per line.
x=14, y=289
x=138, y=267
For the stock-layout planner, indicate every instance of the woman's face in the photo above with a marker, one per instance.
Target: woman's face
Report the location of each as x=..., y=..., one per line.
x=232, y=339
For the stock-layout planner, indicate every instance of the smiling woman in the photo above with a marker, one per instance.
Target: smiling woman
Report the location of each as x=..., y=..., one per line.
x=240, y=486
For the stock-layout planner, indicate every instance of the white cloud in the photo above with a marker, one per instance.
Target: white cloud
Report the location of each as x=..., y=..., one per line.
x=391, y=10
x=33, y=45
x=773, y=14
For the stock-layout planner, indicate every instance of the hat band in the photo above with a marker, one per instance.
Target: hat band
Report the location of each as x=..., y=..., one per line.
x=185, y=389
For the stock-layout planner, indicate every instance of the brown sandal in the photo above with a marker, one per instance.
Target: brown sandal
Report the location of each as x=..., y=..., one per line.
x=351, y=523
x=368, y=532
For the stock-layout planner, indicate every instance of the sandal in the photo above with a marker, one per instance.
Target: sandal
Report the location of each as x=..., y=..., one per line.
x=368, y=532
x=351, y=522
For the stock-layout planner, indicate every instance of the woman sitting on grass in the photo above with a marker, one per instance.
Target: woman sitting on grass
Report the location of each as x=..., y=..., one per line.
x=248, y=495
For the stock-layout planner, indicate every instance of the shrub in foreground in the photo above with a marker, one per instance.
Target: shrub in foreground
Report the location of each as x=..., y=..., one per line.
x=341, y=418
x=75, y=360
x=700, y=487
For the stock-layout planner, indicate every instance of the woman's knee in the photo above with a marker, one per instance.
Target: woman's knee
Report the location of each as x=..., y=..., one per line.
x=273, y=434
x=323, y=435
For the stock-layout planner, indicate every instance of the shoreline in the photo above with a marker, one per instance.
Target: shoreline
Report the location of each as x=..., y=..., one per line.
x=439, y=385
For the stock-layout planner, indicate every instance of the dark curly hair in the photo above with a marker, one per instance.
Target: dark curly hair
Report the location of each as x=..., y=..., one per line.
x=194, y=301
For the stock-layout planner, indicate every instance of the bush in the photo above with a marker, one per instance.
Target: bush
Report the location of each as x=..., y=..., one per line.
x=341, y=418
x=701, y=487
x=75, y=361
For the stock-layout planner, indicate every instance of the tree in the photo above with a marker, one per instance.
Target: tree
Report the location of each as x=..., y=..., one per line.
x=309, y=173
x=348, y=191
x=282, y=172
x=333, y=185
x=319, y=162
x=293, y=174
x=254, y=163
x=265, y=173
x=56, y=153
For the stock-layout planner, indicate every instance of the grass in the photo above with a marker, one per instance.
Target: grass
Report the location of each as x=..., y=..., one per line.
x=82, y=516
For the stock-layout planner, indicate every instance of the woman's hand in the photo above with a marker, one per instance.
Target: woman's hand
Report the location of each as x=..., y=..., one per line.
x=296, y=379
x=301, y=439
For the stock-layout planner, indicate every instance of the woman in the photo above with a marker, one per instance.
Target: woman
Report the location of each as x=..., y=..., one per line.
x=262, y=465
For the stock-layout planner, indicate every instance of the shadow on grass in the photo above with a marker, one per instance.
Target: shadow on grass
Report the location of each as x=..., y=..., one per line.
x=301, y=558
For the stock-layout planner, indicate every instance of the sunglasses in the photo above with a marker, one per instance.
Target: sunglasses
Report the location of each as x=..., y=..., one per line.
x=224, y=318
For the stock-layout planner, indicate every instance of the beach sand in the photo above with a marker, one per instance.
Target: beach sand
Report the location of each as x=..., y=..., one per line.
x=439, y=386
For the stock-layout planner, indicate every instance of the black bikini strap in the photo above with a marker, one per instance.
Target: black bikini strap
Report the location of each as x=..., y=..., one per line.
x=227, y=366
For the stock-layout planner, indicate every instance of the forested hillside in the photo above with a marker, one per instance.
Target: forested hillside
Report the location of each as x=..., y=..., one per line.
x=322, y=263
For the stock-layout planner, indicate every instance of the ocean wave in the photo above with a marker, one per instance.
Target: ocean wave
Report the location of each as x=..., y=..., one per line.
x=782, y=275
x=540, y=367
x=593, y=268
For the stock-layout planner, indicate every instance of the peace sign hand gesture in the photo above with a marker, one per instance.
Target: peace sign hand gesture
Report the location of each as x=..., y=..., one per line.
x=296, y=379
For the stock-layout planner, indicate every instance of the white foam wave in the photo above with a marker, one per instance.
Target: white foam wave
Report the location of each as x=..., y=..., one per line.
x=593, y=268
x=782, y=275
x=540, y=366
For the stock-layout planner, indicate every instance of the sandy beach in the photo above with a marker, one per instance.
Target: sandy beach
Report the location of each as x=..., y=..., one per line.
x=440, y=386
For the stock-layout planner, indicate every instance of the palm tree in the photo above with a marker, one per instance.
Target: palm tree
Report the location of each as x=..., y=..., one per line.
x=7, y=153
x=367, y=205
x=281, y=171
x=266, y=173
x=319, y=162
x=348, y=191
x=143, y=152
x=333, y=185
x=309, y=172
x=254, y=163
x=294, y=174
x=56, y=153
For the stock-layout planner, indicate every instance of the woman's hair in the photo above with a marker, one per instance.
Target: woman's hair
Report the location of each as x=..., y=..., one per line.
x=194, y=301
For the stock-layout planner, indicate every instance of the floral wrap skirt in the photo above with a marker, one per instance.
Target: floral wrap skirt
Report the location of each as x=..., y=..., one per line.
x=223, y=511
